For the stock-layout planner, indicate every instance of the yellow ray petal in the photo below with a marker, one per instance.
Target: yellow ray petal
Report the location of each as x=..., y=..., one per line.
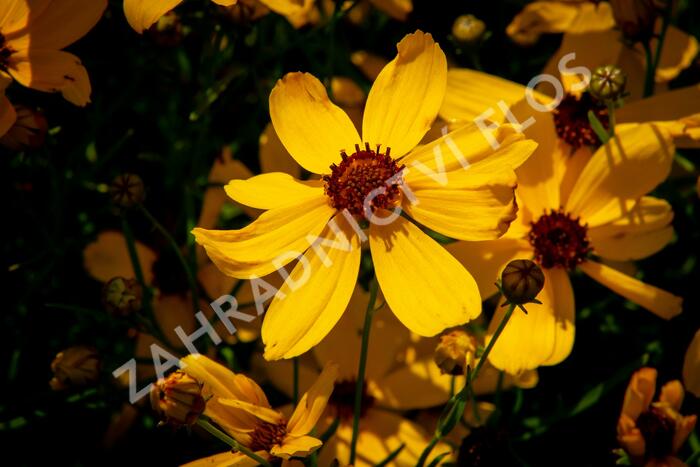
x=252, y=251
x=263, y=413
x=274, y=157
x=108, y=257
x=225, y=2
x=628, y=167
x=369, y=64
x=346, y=92
x=426, y=287
x=227, y=459
x=313, y=403
x=59, y=25
x=17, y=15
x=406, y=96
x=640, y=392
x=8, y=116
x=633, y=246
x=292, y=446
x=543, y=336
x=325, y=281
x=397, y=9
x=470, y=93
x=667, y=106
x=672, y=393
x=52, y=71
x=142, y=14
x=488, y=258
x=678, y=52
x=273, y=190
x=691, y=366
x=310, y=126
x=659, y=302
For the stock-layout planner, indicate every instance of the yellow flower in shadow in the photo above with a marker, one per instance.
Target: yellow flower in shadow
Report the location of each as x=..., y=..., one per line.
x=238, y=405
x=691, y=366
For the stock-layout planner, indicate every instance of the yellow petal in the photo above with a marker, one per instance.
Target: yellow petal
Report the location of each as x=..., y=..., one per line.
x=672, y=393
x=274, y=190
x=108, y=257
x=659, y=302
x=14, y=14
x=254, y=250
x=142, y=14
x=691, y=366
x=8, y=116
x=406, y=96
x=225, y=2
x=470, y=93
x=274, y=157
x=489, y=198
x=542, y=17
x=640, y=392
x=488, y=258
x=310, y=126
x=313, y=403
x=543, y=336
x=263, y=413
x=325, y=281
x=58, y=25
x=628, y=167
x=633, y=246
x=397, y=9
x=52, y=71
x=667, y=106
x=426, y=287
x=346, y=92
x=678, y=53
x=280, y=373
x=369, y=64
x=227, y=459
x=292, y=446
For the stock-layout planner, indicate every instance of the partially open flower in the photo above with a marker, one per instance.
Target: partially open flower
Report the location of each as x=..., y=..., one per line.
x=122, y=296
x=607, y=83
x=455, y=352
x=178, y=399
x=468, y=29
x=521, y=281
x=28, y=132
x=127, y=190
x=75, y=367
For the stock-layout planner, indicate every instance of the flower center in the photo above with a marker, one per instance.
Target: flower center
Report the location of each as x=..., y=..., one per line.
x=571, y=120
x=559, y=240
x=367, y=179
x=266, y=435
x=343, y=399
x=5, y=52
x=657, y=429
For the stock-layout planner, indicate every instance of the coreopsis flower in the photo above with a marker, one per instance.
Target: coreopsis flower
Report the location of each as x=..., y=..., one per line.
x=75, y=367
x=28, y=131
x=31, y=39
x=178, y=399
x=691, y=366
x=576, y=210
x=653, y=432
x=400, y=375
x=239, y=406
x=368, y=181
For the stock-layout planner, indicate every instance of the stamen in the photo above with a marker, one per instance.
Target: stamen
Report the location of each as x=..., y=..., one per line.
x=658, y=430
x=266, y=435
x=571, y=120
x=342, y=400
x=559, y=240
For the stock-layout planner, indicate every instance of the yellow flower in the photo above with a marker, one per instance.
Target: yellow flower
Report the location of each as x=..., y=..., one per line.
x=691, y=366
x=652, y=433
x=31, y=39
x=239, y=406
x=411, y=267
x=400, y=375
x=592, y=205
x=8, y=115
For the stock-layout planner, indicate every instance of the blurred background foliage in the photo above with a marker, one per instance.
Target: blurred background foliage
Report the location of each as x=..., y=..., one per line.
x=165, y=111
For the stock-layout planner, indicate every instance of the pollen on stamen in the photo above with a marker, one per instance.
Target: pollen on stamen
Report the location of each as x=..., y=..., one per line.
x=571, y=120
x=357, y=176
x=559, y=240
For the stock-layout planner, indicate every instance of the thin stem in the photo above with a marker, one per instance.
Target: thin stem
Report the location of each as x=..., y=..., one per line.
x=373, y=287
x=235, y=445
x=650, y=71
x=295, y=394
x=492, y=342
x=611, y=119
x=662, y=36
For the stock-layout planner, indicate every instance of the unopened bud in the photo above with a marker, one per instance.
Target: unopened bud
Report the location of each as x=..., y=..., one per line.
x=635, y=18
x=455, y=351
x=178, y=399
x=607, y=83
x=127, y=190
x=122, y=296
x=75, y=367
x=521, y=281
x=28, y=132
x=468, y=29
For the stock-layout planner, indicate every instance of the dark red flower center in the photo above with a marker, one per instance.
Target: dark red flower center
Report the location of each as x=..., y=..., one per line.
x=267, y=435
x=658, y=429
x=368, y=179
x=5, y=53
x=571, y=120
x=342, y=401
x=559, y=240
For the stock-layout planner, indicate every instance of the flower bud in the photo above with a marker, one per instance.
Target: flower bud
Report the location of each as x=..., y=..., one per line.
x=607, y=83
x=635, y=18
x=122, y=296
x=75, y=367
x=521, y=281
x=468, y=29
x=178, y=399
x=127, y=190
x=28, y=132
x=455, y=351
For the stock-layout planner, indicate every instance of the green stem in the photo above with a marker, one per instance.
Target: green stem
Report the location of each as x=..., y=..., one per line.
x=373, y=288
x=235, y=445
x=190, y=278
x=611, y=119
x=662, y=36
x=649, y=76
